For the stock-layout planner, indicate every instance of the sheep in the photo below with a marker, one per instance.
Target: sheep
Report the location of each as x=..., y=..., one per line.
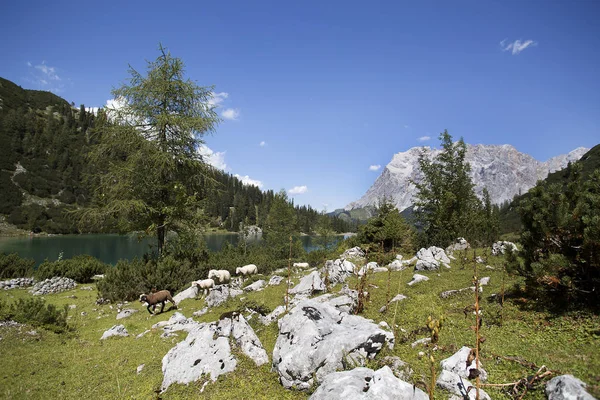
x=204, y=284
x=246, y=270
x=222, y=275
x=153, y=299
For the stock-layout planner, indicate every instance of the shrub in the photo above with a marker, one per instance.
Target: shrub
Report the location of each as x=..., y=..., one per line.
x=128, y=279
x=34, y=311
x=13, y=266
x=80, y=268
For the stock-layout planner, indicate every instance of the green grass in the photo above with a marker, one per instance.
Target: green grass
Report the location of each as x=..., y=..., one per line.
x=79, y=365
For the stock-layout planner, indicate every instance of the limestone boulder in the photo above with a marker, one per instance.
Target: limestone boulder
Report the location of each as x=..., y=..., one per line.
x=364, y=383
x=459, y=386
x=417, y=278
x=309, y=284
x=457, y=363
x=189, y=293
x=567, y=387
x=116, y=330
x=316, y=339
x=219, y=295
x=256, y=286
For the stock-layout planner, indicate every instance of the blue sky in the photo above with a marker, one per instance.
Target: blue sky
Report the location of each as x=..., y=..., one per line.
x=332, y=88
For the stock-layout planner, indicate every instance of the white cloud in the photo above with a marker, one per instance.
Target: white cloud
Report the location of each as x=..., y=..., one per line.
x=217, y=98
x=517, y=46
x=298, y=190
x=263, y=144
x=246, y=180
x=424, y=138
x=216, y=159
x=230, y=114
x=49, y=72
x=406, y=126
x=29, y=64
x=374, y=167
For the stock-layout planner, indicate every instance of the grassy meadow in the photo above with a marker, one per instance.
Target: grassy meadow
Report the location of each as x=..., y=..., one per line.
x=43, y=365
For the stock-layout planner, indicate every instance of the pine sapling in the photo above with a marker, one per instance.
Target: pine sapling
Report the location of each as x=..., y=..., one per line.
x=289, y=277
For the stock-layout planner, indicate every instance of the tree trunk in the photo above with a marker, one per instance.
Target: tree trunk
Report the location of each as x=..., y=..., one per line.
x=160, y=235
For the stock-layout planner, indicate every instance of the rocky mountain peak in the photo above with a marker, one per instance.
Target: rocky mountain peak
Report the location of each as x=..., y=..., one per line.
x=502, y=169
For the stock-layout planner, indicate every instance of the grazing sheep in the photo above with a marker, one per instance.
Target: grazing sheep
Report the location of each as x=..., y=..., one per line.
x=153, y=299
x=246, y=270
x=221, y=274
x=204, y=284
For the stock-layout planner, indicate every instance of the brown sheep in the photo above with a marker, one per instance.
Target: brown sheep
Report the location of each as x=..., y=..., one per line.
x=159, y=297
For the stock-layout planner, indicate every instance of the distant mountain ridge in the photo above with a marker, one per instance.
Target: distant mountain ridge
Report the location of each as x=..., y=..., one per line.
x=502, y=169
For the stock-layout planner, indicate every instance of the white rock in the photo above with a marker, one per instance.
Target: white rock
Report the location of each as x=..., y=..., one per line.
x=315, y=339
x=219, y=295
x=140, y=368
x=457, y=364
x=301, y=265
x=189, y=293
x=364, y=383
x=567, y=387
x=275, y=280
x=256, y=286
x=247, y=340
x=309, y=284
x=116, y=330
x=453, y=383
x=127, y=312
x=272, y=316
x=484, y=281
x=201, y=312
x=417, y=278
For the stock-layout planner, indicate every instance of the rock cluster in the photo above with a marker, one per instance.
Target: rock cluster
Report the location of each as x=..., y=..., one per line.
x=458, y=245
x=219, y=295
x=207, y=351
x=431, y=258
x=16, y=283
x=316, y=339
x=500, y=247
x=53, y=285
x=338, y=270
x=355, y=252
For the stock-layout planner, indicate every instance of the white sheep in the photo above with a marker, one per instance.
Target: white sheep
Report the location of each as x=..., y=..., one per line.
x=221, y=274
x=204, y=284
x=246, y=270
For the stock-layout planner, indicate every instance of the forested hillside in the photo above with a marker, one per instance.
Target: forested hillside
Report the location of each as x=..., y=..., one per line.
x=510, y=220
x=44, y=172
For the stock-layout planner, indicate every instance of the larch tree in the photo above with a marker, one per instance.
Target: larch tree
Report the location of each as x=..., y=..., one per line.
x=147, y=167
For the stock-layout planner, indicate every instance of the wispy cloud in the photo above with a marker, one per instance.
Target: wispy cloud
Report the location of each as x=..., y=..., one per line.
x=424, y=138
x=216, y=159
x=374, y=167
x=230, y=114
x=517, y=46
x=45, y=76
x=246, y=180
x=298, y=190
x=262, y=144
x=406, y=126
x=217, y=98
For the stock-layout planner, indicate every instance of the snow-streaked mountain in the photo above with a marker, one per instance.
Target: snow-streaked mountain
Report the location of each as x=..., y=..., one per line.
x=502, y=169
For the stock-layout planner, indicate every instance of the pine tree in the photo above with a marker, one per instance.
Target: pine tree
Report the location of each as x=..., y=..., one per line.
x=446, y=204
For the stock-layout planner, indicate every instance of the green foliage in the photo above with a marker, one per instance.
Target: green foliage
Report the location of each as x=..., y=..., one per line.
x=446, y=205
x=561, y=238
x=10, y=195
x=13, y=266
x=387, y=228
x=128, y=279
x=280, y=228
x=34, y=311
x=80, y=268
x=146, y=163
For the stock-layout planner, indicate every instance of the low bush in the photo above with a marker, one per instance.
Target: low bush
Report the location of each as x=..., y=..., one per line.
x=34, y=311
x=128, y=279
x=13, y=266
x=79, y=268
